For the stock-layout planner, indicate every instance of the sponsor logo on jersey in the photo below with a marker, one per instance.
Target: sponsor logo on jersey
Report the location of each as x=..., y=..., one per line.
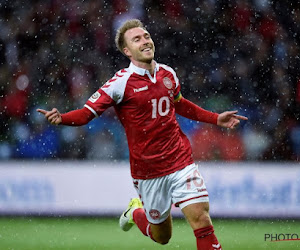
x=140, y=89
x=94, y=97
x=155, y=214
x=168, y=83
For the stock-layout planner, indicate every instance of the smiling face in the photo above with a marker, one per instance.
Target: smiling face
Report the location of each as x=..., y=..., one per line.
x=139, y=46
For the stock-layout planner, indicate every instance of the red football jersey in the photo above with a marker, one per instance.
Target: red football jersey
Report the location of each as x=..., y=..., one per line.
x=145, y=107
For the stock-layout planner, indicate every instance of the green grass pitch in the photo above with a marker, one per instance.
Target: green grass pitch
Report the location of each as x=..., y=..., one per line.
x=104, y=233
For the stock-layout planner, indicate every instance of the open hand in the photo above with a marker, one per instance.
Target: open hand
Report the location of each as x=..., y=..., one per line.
x=230, y=119
x=53, y=116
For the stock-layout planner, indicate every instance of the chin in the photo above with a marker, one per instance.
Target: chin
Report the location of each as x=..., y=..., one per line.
x=145, y=60
x=148, y=59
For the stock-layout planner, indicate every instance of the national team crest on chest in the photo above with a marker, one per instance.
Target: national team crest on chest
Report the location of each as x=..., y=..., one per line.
x=167, y=82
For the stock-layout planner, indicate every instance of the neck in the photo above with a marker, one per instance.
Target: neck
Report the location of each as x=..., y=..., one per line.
x=145, y=65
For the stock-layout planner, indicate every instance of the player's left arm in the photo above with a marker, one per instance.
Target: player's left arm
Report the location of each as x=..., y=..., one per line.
x=186, y=108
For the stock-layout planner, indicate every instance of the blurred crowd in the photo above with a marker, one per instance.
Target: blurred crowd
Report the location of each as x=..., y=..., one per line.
x=229, y=55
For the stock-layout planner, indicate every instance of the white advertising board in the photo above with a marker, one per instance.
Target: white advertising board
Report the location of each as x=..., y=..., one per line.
x=254, y=190
x=101, y=188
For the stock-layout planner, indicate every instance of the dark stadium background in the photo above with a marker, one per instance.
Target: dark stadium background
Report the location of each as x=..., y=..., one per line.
x=229, y=55
x=240, y=55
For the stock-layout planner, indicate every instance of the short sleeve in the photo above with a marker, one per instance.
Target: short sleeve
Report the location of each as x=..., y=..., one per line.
x=110, y=94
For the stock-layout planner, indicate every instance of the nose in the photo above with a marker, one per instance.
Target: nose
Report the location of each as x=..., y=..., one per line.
x=144, y=40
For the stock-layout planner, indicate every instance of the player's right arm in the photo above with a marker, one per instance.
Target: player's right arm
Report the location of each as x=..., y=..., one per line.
x=109, y=94
x=73, y=118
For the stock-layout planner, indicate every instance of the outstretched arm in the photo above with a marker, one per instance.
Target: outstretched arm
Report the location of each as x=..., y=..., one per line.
x=73, y=118
x=191, y=111
x=228, y=119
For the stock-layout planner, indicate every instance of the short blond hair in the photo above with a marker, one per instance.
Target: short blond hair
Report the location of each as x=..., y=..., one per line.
x=130, y=24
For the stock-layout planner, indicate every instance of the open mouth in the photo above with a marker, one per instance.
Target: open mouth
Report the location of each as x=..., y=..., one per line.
x=146, y=49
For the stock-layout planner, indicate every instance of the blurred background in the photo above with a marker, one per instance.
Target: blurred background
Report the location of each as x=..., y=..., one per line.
x=228, y=55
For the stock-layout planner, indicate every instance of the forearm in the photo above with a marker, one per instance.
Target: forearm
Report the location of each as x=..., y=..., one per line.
x=77, y=117
x=191, y=111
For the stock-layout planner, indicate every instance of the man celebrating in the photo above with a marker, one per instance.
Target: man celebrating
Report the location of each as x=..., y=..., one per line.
x=146, y=96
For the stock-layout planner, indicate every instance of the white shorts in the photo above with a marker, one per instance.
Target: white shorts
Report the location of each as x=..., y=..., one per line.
x=181, y=188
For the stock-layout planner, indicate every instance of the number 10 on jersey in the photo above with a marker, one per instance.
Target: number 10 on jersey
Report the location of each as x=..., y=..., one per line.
x=161, y=106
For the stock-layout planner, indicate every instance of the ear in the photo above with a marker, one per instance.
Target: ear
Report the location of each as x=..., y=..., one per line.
x=127, y=52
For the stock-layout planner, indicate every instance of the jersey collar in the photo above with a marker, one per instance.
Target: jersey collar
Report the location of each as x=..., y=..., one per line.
x=140, y=71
